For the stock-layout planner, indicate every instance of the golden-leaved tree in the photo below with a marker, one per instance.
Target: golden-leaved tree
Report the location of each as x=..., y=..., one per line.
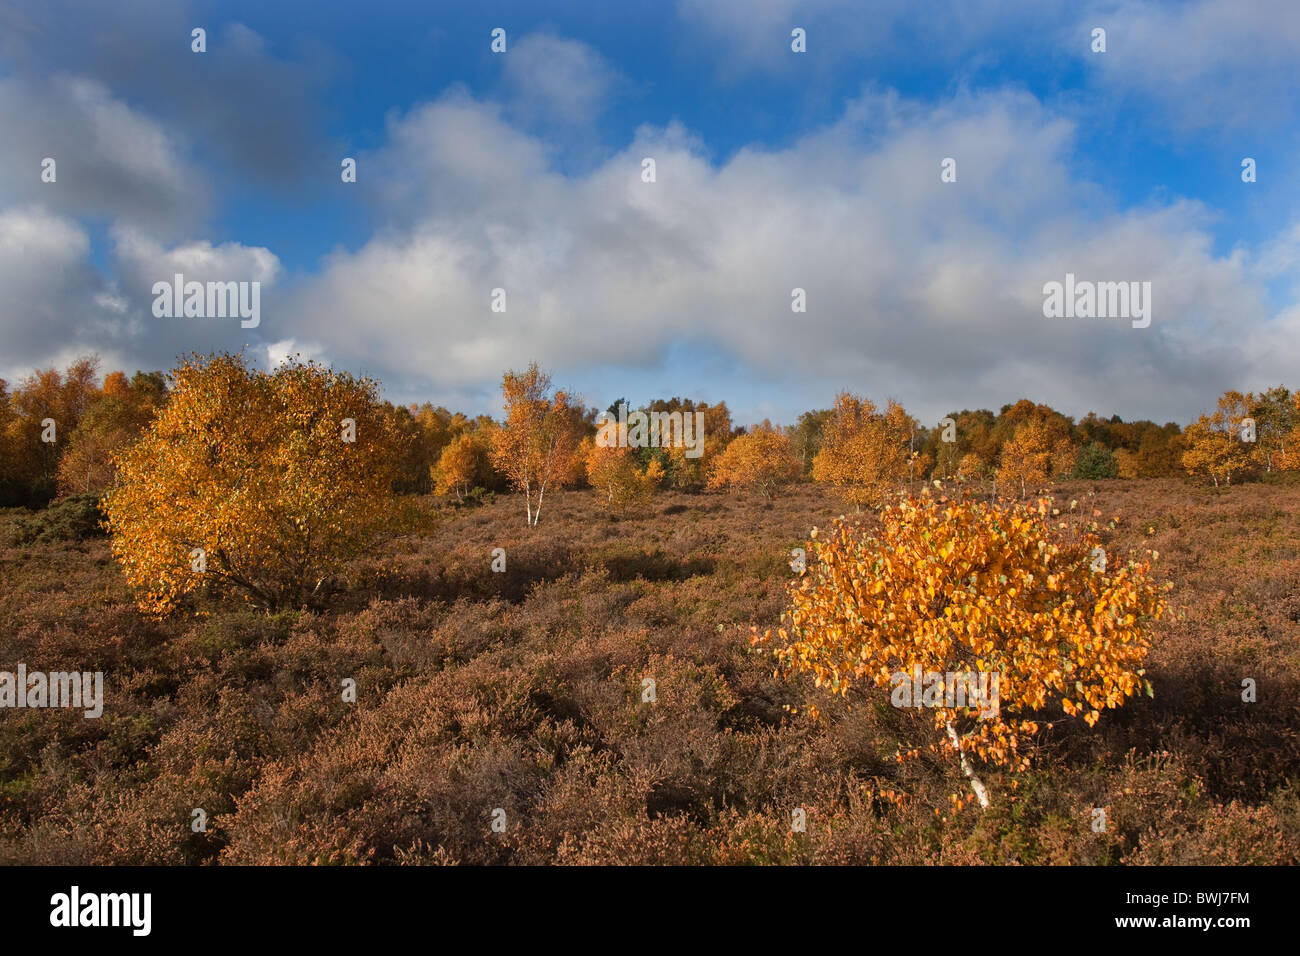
x=46, y=403
x=617, y=476
x=463, y=464
x=1214, y=442
x=971, y=467
x=864, y=452
x=689, y=469
x=962, y=586
x=1289, y=453
x=253, y=483
x=1274, y=412
x=763, y=460
x=1026, y=457
x=537, y=445
x=110, y=423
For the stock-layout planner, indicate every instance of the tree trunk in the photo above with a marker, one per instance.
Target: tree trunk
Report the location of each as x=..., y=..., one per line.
x=981, y=792
x=538, y=513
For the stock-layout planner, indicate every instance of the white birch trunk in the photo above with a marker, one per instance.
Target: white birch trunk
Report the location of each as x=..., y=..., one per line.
x=981, y=792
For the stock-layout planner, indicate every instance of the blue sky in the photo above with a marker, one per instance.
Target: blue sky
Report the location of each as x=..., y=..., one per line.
x=776, y=170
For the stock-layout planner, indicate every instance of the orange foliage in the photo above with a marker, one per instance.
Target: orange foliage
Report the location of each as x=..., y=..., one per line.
x=536, y=447
x=1026, y=457
x=109, y=424
x=763, y=459
x=254, y=470
x=970, y=466
x=615, y=473
x=964, y=586
x=462, y=464
x=864, y=453
x=1214, y=442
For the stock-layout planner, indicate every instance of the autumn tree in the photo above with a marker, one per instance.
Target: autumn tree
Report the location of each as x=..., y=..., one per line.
x=1276, y=419
x=1126, y=463
x=763, y=459
x=253, y=483
x=976, y=434
x=536, y=446
x=617, y=476
x=1215, y=448
x=11, y=492
x=1289, y=457
x=1159, y=451
x=966, y=587
x=1026, y=457
x=87, y=463
x=1062, y=459
x=971, y=467
x=109, y=424
x=47, y=404
x=462, y=464
x=864, y=453
x=1059, y=428
x=689, y=470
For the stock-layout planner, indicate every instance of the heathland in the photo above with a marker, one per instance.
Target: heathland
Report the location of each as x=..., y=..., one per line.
x=519, y=696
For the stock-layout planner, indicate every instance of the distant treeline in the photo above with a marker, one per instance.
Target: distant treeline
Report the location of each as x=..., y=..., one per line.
x=60, y=430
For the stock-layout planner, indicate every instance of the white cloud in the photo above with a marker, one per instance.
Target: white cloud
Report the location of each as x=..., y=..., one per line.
x=111, y=160
x=145, y=261
x=52, y=303
x=919, y=289
x=551, y=79
x=57, y=304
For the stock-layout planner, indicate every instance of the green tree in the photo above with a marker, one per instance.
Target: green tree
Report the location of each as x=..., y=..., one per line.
x=806, y=436
x=1096, y=461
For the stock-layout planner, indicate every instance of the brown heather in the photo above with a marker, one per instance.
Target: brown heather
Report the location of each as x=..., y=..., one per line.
x=522, y=691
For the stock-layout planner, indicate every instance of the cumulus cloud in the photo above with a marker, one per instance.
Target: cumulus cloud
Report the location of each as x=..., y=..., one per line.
x=47, y=281
x=57, y=304
x=139, y=261
x=240, y=105
x=916, y=288
x=111, y=160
